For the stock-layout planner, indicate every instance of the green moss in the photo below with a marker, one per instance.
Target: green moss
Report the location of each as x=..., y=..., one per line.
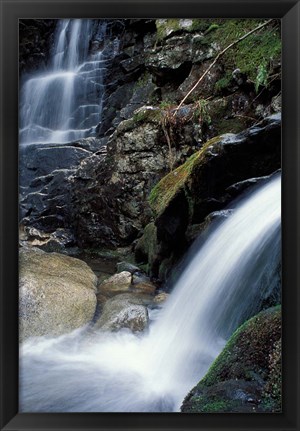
x=143, y=115
x=165, y=27
x=224, y=82
x=252, y=55
x=211, y=28
x=143, y=80
x=203, y=25
x=251, y=363
x=203, y=405
x=171, y=184
x=238, y=360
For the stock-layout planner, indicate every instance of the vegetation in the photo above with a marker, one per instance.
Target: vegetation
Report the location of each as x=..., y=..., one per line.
x=255, y=55
x=252, y=358
x=171, y=184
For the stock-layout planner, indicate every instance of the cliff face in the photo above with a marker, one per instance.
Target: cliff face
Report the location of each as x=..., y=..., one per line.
x=100, y=191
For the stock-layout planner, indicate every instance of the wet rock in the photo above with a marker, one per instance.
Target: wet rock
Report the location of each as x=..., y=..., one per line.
x=140, y=277
x=144, y=287
x=246, y=376
x=41, y=159
x=123, y=311
x=117, y=283
x=161, y=298
x=200, y=186
x=59, y=241
x=57, y=293
x=126, y=266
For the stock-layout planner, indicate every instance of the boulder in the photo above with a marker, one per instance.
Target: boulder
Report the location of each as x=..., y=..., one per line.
x=57, y=293
x=124, y=311
x=144, y=287
x=161, y=298
x=206, y=183
x=126, y=266
x=117, y=283
x=246, y=376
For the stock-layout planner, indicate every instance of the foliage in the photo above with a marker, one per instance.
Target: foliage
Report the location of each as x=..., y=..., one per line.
x=211, y=28
x=261, y=77
x=201, y=113
x=223, y=82
x=255, y=55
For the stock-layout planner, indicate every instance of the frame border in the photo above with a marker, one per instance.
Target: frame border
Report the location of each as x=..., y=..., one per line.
x=10, y=12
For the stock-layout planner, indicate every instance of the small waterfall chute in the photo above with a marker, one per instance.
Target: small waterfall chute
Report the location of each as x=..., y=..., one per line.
x=49, y=101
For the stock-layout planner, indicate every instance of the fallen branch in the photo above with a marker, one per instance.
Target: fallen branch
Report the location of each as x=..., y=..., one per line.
x=217, y=58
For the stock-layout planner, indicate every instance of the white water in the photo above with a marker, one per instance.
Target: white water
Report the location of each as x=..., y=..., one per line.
x=64, y=103
x=220, y=287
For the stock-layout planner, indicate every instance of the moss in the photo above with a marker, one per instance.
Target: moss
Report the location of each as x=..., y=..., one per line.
x=142, y=81
x=211, y=28
x=165, y=27
x=203, y=405
x=202, y=25
x=251, y=364
x=146, y=247
x=224, y=82
x=239, y=359
x=251, y=55
x=171, y=184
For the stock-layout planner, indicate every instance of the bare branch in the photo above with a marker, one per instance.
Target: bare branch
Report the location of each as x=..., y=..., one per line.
x=217, y=58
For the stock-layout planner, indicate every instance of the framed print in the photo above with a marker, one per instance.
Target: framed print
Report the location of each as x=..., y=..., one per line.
x=149, y=215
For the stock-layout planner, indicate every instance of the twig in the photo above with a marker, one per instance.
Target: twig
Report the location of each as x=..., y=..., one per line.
x=217, y=58
x=171, y=161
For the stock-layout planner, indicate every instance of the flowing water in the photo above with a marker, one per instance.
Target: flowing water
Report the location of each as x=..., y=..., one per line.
x=64, y=103
x=224, y=282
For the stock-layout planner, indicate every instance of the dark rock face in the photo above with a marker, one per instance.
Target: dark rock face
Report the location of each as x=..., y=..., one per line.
x=246, y=376
x=45, y=177
x=36, y=39
x=207, y=183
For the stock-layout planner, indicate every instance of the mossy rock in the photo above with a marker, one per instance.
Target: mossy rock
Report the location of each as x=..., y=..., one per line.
x=146, y=249
x=246, y=376
x=169, y=186
x=222, y=161
x=254, y=56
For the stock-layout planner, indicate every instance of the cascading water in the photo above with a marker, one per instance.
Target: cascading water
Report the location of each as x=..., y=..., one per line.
x=65, y=103
x=223, y=283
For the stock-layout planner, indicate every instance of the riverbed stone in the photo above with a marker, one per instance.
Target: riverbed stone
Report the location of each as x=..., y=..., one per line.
x=57, y=293
x=116, y=284
x=124, y=311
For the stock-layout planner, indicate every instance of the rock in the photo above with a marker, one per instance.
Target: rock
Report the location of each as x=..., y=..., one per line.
x=246, y=376
x=117, y=283
x=204, y=229
x=126, y=266
x=276, y=103
x=146, y=249
x=58, y=241
x=144, y=287
x=41, y=159
x=161, y=298
x=123, y=311
x=57, y=293
x=140, y=277
x=187, y=195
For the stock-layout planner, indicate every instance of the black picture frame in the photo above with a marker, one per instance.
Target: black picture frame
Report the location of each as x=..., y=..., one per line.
x=11, y=12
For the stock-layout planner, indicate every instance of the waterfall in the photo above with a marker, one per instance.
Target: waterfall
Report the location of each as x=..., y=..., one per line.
x=223, y=283
x=64, y=103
